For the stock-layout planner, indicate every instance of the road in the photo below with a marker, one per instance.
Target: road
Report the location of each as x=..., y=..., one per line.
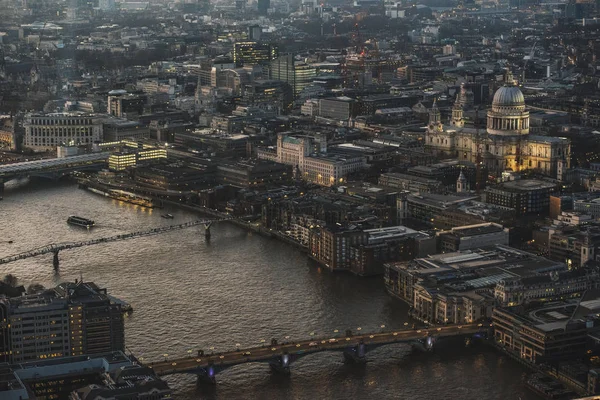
x=266, y=352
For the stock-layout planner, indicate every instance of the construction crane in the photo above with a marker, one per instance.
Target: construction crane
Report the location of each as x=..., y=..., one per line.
x=478, y=155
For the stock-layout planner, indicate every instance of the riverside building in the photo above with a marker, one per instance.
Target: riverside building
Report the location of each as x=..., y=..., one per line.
x=44, y=132
x=71, y=319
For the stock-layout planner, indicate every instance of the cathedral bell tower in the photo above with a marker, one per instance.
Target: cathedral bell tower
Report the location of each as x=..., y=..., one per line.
x=457, y=114
x=435, y=118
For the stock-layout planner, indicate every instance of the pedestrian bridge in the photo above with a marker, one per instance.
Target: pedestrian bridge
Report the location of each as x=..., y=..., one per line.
x=55, y=248
x=280, y=356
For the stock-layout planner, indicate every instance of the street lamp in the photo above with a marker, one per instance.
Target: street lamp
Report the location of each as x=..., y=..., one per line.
x=165, y=355
x=212, y=349
x=359, y=328
x=262, y=342
x=406, y=324
x=237, y=345
x=189, y=352
x=382, y=326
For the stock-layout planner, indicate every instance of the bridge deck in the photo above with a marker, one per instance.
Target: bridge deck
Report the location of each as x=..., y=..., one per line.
x=54, y=247
x=191, y=364
x=37, y=165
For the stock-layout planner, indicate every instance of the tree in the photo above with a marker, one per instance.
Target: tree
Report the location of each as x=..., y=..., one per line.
x=10, y=280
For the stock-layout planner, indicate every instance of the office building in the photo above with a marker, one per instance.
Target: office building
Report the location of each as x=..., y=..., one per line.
x=573, y=245
x=459, y=287
x=297, y=74
x=252, y=53
x=123, y=104
x=44, y=132
x=71, y=319
x=338, y=108
x=518, y=290
x=589, y=206
x=121, y=160
x=117, y=129
x=550, y=333
x=254, y=32
x=526, y=197
x=472, y=237
x=263, y=6
x=254, y=174
x=110, y=375
x=316, y=167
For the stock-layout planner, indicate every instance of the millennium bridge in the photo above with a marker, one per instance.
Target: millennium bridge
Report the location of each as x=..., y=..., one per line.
x=280, y=356
x=55, y=248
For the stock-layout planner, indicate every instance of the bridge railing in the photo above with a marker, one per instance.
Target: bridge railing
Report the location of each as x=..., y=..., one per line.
x=54, y=247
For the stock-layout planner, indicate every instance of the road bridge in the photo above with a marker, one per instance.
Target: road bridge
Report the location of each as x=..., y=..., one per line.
x=281, y=356
x=55, y=248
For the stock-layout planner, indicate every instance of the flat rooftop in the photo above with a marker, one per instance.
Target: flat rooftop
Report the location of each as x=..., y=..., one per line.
x=476, y=230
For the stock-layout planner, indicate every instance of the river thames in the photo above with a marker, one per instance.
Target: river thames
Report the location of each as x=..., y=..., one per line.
x=191, y=294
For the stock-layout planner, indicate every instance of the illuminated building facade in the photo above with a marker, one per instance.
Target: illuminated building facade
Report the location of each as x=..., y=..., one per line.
x=44, y=132
x=322, y=169
x=251, y=53
x=120, y=161
x=506, y=145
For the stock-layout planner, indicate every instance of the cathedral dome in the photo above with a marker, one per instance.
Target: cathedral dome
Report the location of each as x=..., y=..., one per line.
x=508, y=116
x=508, y=96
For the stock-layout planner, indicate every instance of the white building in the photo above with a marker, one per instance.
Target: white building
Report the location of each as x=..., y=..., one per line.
x=312, y=166
x=44, y=132
x=573, y=218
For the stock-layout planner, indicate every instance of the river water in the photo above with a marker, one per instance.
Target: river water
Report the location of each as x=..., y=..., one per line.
x=241, y=288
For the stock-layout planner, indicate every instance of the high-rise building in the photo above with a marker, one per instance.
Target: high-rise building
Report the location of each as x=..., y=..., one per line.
x=296, y=73
x=263, y=6
x=250, y=53
x=123, y=104
x=254, y=32
x=107, y=5
x=69, y=320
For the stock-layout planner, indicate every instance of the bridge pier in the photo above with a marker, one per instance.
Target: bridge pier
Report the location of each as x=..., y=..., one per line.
x=429, y=343
x=207, y=375
x=207, y=230
x=281, y=364
x=55, y=261
x=356, y=354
